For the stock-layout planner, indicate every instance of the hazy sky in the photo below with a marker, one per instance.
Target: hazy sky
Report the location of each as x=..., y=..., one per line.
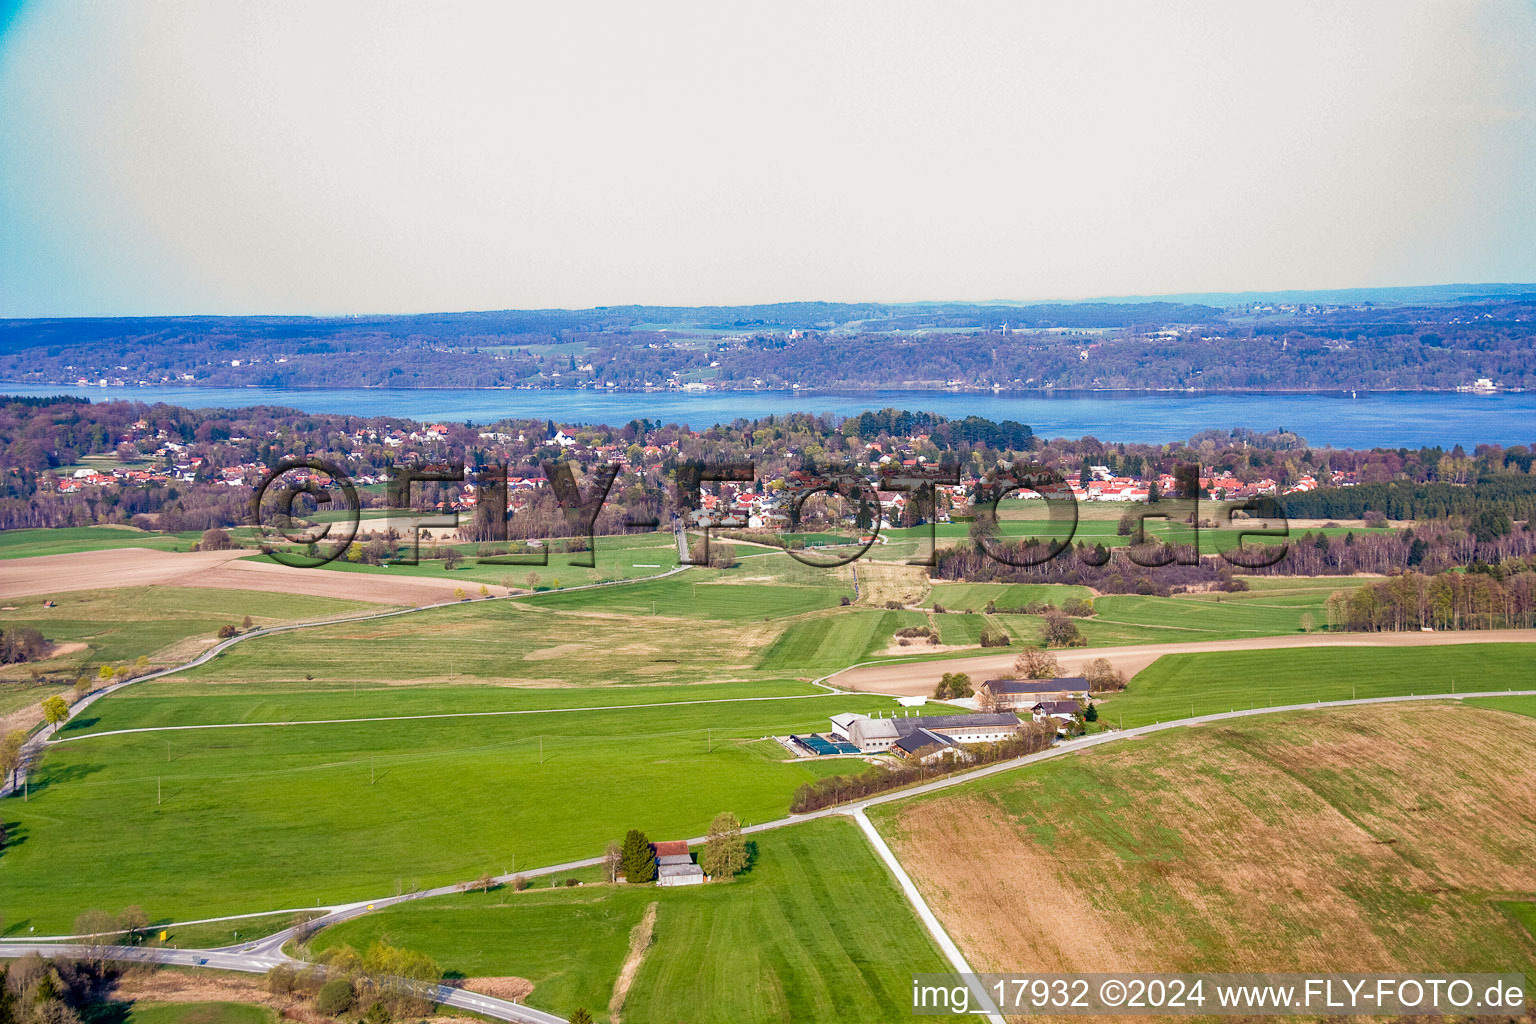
x=329, y=157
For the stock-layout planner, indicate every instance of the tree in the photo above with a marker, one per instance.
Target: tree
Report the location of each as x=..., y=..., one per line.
x=637, y=858
x=10, y=753
x=613, y=862
x=580, y=1016
x=990, y=702
x=1091, y=714
x=725, y=851
x=485, y=591
x=1308, y=622
x=7, y=1000
x=1102, y=676
x=458, y=593
x=215, y=540
x=229, y=629
x=531, y=581
x=1060, y=631
x=1035, y=663
x=20, y=644
x=452, y=557
x=132, y=920
x=953, y=684
x=993, y=635
x=55, y=711
x=335, y=997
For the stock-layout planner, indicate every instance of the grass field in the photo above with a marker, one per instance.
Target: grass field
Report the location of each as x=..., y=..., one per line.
x=699, y=593
x=1177, y=685
x=960, y=596
x=618, y=557
x=502, y=642
x=174, y=702
x=1363, y=839
x=69, y=539
x=159, y=622
x=199, y=1013
x=1518, y=705
x=815, y=931
x=813, y=647
x=223, y=821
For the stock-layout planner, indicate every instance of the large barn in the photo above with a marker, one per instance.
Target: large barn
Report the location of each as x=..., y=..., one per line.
x=874, y=735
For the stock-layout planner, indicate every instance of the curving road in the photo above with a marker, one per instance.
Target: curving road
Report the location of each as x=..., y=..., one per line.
x=241, y=959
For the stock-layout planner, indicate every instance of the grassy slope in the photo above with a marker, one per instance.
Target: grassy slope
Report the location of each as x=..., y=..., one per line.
x=791, y=940
x=173, y=702
x=500, y=642
x=70, y=539
x=1235, y=679
x=120, y=625
x=258, y=818
x=1360, y=839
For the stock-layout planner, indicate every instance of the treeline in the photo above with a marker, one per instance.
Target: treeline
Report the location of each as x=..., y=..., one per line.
x=1502, y=597
x=835, y=789
x=1106, y=570
x=1008, y=435
x=1514, y=492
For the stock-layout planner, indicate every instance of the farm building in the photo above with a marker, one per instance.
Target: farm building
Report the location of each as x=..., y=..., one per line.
x=873, y=735
x=1062, y=712
x=1023, y=693
x=675, y=866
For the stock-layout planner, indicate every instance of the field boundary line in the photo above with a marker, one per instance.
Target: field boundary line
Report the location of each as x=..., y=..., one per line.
x=925, y=914
x=440, y=714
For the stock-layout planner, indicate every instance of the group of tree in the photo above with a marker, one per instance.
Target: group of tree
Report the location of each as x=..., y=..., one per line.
x=21, y=644
x=59, y=990
x=953, y=685
x=1030, y=738
x=1487, y=597
x=384, y=983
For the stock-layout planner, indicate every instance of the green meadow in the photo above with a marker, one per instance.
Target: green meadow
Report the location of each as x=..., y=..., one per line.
x=816, y=931
x=200, y=823
x=174, y=702
x=198, y=1013
x=1181, y=685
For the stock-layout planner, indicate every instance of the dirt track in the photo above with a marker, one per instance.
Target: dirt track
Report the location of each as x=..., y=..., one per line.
x=223, y=570
x=919, y=678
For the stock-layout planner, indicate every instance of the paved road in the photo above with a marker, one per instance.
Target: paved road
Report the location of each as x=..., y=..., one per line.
x=241, y=959
x=917, y=678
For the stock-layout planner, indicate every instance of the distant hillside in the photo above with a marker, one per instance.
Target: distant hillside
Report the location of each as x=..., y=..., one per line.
x=1252, y=345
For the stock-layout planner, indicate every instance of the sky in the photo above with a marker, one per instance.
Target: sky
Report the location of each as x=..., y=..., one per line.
x=336, y=157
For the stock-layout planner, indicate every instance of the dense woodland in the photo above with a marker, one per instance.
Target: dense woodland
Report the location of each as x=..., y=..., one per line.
x=1148, y=345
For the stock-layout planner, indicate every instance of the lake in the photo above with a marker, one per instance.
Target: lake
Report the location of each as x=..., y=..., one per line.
x=1399, y=418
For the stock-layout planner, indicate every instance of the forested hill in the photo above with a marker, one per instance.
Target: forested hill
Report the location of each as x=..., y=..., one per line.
x=1144, y=345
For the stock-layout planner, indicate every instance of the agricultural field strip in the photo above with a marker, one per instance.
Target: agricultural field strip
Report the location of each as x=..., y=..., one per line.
x=444, y=714
x=336, y=913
